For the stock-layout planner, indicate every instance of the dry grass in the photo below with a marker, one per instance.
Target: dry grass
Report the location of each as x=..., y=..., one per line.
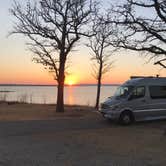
x=21, y=111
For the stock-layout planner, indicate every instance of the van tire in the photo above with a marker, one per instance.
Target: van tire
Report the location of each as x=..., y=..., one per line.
x=126, y=118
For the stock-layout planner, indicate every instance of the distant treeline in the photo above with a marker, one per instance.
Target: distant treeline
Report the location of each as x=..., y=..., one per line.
x=6, y=91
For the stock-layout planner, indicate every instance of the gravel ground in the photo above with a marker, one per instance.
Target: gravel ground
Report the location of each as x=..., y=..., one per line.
x=77, y=141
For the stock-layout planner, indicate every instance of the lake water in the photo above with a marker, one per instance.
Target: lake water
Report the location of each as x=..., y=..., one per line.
x=79, y=95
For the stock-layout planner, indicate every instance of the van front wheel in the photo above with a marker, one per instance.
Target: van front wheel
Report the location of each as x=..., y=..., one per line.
x=126, y=118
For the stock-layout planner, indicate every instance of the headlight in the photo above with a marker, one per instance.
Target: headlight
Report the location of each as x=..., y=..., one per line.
x=111, y=107
x=104, y=106
x=115, y=107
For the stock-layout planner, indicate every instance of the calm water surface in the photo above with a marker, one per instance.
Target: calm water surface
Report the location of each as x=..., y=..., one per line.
x=79, y=95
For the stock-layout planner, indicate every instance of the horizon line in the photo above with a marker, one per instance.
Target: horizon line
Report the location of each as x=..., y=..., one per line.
x=84, y=84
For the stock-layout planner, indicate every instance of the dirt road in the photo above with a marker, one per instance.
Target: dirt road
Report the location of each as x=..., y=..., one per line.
x=81, y=141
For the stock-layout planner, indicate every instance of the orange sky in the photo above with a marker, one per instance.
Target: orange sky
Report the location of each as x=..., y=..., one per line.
x=16, y=66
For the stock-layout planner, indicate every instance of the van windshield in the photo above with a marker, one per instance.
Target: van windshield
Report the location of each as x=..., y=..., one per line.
x=123, y=91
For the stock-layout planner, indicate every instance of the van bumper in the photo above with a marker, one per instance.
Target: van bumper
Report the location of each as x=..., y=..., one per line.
x=113, y=115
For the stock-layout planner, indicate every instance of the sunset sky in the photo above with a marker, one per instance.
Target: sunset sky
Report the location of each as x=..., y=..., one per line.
x=16, y=66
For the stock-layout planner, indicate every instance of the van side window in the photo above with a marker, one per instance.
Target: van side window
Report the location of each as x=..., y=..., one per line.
x=157, y=92
x=138, y=92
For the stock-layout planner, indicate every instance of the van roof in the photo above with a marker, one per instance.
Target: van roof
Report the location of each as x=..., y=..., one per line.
x=142, y=81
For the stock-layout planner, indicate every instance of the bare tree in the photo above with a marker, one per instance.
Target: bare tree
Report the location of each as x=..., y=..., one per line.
x=100, y=46
x=142, y=27
x=53, y=28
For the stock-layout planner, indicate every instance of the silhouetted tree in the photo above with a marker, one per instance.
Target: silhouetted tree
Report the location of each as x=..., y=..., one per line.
x=53, y=28
x=142, y=27
x=101, y=50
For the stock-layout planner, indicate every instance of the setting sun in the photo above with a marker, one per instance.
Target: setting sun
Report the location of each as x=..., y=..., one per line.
x=70, y=80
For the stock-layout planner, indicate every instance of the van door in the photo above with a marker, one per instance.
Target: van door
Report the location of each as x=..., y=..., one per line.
x=138, y=102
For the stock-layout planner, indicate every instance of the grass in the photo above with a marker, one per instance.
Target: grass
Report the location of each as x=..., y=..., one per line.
x=16, y=111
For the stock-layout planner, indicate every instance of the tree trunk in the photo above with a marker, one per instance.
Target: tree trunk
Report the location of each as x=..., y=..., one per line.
x=60, y=94
x=98, y=95
x=98, y=88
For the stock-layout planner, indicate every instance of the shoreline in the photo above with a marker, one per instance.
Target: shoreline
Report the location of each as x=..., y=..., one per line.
x=116, y=84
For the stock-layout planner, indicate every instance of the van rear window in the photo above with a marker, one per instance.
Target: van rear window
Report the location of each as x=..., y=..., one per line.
x=157, y=92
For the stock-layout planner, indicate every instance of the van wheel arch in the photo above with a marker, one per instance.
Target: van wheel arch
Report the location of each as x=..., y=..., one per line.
x=126, y=117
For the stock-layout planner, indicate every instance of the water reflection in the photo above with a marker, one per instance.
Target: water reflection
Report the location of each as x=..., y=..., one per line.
x=79, y=95
x=70, y=97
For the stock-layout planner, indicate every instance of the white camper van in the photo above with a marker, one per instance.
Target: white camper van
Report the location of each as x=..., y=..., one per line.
x=140, y=98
